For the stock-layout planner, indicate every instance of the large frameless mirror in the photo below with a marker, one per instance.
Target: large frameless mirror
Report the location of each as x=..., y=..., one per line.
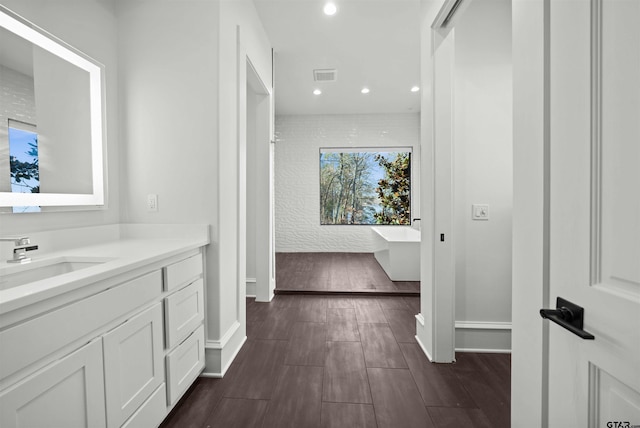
x=51, y=121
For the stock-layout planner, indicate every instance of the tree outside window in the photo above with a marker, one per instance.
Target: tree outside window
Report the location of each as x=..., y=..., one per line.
x=365, y=186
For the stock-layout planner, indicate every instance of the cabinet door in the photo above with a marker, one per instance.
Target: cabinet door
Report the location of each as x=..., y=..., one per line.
x=133, y=365
x=69, y=393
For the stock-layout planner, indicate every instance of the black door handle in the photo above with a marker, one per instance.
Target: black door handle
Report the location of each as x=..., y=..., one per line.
x=569, y=316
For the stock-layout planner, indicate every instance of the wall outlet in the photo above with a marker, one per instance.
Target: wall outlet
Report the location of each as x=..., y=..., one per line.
x=152, y=202
x=480, y=212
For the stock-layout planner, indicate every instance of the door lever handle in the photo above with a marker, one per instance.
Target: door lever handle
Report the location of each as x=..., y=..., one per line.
x=567, y=315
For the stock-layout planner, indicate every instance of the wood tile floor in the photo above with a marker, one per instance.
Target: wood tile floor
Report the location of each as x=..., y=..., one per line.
x=359, y=272
x=333, y=361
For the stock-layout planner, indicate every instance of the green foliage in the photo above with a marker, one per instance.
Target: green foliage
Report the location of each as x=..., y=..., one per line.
x=346, y=195
x=21, y=171
x=348, y=191
x=394, y=191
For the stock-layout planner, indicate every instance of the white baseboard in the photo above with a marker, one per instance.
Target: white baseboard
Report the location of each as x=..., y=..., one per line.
x=426, y=353
x=484, y=351
x=483, y=336
x=419, y=331
x=251, y=287
x=219, y=354
x=420, y=319
x=483, y=325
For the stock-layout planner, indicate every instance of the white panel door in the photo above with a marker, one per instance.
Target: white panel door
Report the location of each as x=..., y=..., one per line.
x=69, y=393
x=594, y=217
x=133, y=364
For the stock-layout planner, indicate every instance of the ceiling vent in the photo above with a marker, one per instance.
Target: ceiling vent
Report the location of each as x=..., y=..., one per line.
x=327, y=75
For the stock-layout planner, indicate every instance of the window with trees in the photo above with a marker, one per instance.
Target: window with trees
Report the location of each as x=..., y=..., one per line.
x=365, y=186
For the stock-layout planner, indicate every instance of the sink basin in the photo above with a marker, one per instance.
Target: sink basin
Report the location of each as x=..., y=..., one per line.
x=15, y=275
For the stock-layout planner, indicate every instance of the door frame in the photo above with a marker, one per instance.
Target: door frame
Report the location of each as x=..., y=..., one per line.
x=530, y=289
x=435, y=325
x=261, y=148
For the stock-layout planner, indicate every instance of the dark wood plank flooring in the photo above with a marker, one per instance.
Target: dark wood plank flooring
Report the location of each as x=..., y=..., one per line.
x=334, y=361
x=336, y=272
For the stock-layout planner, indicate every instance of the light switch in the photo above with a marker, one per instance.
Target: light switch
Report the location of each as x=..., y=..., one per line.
x=480, y=212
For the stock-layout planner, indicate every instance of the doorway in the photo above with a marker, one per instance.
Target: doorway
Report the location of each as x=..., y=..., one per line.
x=341, y=83
x=469, y=259
x=326, y=179
x=258, y=172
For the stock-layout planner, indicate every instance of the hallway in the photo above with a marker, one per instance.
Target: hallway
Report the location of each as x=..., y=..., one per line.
x=313, y=361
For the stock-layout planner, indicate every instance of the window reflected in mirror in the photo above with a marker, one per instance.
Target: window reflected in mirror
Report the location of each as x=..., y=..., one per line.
x=23, y=161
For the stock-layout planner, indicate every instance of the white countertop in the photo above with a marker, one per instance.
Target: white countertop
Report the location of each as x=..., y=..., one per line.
x=125, y=248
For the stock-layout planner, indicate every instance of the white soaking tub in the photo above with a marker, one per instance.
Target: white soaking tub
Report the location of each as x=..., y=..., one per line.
x=397, y=250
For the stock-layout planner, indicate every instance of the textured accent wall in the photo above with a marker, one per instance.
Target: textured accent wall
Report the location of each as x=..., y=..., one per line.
x=297, y=188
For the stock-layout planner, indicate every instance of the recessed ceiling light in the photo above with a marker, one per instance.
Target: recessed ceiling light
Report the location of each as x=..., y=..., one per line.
x=365, y=90
x=330, y=9
x=317, y=92
x=415, y=89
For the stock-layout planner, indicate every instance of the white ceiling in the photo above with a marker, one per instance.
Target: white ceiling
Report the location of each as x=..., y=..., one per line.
x=372, y=43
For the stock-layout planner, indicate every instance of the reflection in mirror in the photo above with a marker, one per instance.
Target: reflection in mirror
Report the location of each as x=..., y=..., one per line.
x=51, y=126
x=23, y=160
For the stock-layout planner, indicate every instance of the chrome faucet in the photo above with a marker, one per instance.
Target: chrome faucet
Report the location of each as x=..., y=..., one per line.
x=22, y=245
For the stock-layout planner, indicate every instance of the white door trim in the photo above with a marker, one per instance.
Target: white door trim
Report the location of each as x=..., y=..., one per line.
x=261, y=150
x=436, y=326
x=530, y=292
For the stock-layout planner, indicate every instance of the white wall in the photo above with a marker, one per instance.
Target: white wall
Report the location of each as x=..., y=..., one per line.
x=251, y=190
x=297, y=187
x=182, y=109
x=168, y=91
x=483, y=172
x=90, y=26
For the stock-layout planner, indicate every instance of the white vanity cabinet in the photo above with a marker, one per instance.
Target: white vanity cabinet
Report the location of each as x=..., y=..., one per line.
x=67, y=393
x=119, y=357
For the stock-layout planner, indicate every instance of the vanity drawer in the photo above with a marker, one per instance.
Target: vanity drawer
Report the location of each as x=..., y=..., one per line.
x=182, y=272
x=54, y=330
x=152, y=412
x=184, y=311
x=184, y=364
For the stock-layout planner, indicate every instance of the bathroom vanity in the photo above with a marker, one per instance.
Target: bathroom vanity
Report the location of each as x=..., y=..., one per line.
x=109, y=333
